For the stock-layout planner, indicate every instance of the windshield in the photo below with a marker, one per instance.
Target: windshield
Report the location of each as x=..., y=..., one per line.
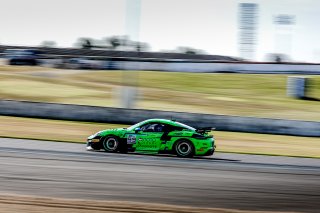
x=131, y=128
x=135, y=126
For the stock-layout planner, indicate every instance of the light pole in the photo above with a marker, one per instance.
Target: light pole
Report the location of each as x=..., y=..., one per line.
x=129, y=91
x=133, y=13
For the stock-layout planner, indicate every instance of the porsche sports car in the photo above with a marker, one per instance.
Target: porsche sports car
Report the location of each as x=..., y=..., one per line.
x=155, y=136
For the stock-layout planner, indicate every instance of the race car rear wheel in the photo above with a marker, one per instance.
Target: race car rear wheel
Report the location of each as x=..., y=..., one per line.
x=184, y=148
x=110, y=144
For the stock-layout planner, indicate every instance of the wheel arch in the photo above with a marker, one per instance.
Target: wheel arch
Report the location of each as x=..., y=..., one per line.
x=121, y=140
x=181, y=139
x=108, y=135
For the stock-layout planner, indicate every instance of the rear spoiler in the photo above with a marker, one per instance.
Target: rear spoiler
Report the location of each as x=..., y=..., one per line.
x=205, y=130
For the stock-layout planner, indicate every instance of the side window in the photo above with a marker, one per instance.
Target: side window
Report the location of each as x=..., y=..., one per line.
x=159, y=128
x=145, y=127
x=153, y=127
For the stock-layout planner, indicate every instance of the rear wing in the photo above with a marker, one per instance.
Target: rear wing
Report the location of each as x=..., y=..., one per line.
x=205, y=130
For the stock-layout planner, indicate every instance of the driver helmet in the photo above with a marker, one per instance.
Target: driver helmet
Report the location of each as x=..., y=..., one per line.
x=158, y=128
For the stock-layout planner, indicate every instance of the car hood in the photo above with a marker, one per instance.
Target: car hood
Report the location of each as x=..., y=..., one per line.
x=116, y=131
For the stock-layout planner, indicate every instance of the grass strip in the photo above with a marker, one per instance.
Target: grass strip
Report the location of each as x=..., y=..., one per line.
x=254, y=95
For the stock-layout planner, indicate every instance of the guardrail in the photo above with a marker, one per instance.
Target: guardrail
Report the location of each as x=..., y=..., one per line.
x=214, y=67
x=131, y=116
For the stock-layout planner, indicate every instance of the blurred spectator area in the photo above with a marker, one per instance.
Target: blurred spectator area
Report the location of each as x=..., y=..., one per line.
x=100, y=54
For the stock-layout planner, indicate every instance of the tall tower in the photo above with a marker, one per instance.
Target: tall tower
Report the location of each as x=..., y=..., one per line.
x=248, y=13
x=133, y=13
x=284, y=28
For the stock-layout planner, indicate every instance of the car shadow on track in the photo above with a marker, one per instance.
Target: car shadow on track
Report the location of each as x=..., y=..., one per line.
x=169, y=156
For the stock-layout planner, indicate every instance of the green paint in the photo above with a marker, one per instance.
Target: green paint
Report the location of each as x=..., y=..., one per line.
x=160, y=135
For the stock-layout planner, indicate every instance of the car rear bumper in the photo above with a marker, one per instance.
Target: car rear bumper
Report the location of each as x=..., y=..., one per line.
x=209, y=152
x=206, y=151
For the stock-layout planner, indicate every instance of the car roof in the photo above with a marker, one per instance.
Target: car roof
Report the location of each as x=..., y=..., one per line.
x=164, y=121
x=159, y=120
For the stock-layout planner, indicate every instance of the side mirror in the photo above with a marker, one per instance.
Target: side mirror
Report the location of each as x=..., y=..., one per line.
x=138, y=129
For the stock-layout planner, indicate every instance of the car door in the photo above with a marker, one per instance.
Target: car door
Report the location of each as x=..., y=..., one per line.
x=149, y=138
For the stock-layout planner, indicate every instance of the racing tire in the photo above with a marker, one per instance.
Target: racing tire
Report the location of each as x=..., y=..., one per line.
x=184, y=149
x=111, y=144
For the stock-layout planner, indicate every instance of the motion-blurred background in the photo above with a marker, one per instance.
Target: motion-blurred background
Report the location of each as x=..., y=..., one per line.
x=237, y=58
x=71, y=68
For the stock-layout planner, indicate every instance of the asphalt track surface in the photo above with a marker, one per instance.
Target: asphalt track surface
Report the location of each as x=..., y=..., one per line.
x=234, y=181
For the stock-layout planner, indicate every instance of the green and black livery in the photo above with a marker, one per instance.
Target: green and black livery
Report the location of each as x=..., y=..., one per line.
x=155, y=136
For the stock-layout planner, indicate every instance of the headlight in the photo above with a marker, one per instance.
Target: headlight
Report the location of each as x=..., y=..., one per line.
x=91, y=137
x=94, y=135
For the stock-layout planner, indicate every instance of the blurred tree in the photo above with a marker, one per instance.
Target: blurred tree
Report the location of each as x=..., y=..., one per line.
x=189, y=50
x=84, y=43
x=277, y=58
x=138, y=47
x=114, y=41
x=48, y=44
x=119, y=42
x=141, y=46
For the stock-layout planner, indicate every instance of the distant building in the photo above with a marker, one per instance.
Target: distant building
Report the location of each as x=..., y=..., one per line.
x=284, y=28
x=248, y=14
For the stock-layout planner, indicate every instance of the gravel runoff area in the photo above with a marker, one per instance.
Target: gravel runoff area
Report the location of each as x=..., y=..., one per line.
x=31, y=204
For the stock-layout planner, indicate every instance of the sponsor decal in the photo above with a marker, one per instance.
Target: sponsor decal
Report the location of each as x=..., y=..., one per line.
x=131, y=139
x=150, y=143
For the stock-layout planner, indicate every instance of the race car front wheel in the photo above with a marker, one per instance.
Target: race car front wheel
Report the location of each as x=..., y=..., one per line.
x=184, y=148
x=110, y=144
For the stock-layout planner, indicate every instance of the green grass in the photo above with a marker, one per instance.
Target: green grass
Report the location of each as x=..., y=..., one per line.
x=234, y=142
x=230, y=94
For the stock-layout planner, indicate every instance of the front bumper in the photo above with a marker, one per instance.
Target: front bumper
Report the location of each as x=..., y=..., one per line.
x=93, y=143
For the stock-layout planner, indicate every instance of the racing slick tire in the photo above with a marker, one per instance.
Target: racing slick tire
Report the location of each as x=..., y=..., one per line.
x=184, y=148
x=111, y=144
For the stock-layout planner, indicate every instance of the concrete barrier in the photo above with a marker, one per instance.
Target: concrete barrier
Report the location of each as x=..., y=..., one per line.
x=297, y=87
x=131, y=116
x=202, y=67
x=212, y=67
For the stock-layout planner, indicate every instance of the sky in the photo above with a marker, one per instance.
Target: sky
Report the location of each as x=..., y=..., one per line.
x=209, y=25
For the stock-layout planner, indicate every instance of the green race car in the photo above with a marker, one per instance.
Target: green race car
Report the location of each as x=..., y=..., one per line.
x=155, y=136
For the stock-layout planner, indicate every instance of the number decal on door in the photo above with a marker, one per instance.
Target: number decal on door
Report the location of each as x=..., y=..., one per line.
x=131, y=139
